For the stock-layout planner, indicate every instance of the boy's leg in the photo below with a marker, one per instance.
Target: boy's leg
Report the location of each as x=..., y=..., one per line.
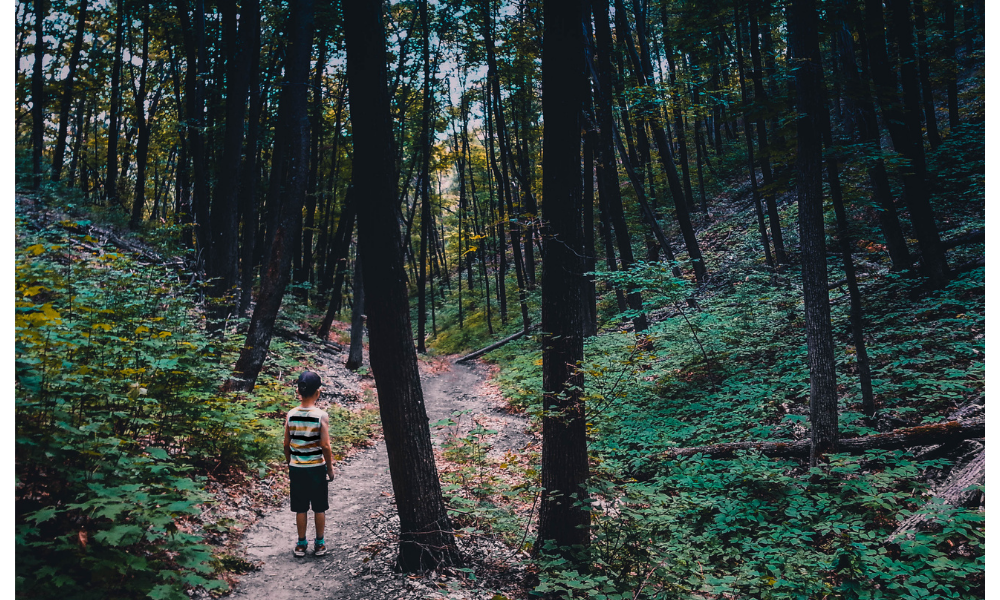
x=320, y=524
x=301, y=519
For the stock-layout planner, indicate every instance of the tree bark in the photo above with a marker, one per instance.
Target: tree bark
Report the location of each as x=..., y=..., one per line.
x=426, y=539
x=564, y=518
x=748, y=136
x=804, y=40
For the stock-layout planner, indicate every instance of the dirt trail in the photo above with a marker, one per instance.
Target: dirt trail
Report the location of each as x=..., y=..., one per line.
x=360, y=499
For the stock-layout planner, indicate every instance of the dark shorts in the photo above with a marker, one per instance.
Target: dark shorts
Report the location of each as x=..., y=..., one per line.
x=308, y=487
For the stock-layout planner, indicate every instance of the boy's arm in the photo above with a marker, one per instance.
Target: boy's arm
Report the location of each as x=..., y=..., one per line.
x=288, y=443
x=324, y=442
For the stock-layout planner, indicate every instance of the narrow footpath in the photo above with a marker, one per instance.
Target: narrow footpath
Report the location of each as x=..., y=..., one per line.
x=361, y=510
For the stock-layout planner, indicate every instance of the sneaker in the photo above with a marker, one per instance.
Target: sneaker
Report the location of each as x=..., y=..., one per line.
x=319, y=550
x=300, y=549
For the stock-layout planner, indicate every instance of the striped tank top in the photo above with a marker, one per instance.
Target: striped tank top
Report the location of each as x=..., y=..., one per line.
x=304, y=431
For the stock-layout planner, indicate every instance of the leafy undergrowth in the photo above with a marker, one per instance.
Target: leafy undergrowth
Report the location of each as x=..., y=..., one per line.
x=734, y=368
x=119, y=421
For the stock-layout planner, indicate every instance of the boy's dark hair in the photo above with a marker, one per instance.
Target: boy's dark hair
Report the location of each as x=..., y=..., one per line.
x=308, y=383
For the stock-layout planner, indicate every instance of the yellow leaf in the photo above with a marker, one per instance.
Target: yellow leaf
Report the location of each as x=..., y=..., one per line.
x=33, y=290
x=36, y=249
x=104, y=326
x=49, y=312
x=142, y=329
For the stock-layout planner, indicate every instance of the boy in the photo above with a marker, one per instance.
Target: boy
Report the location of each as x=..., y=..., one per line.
x=310, y=461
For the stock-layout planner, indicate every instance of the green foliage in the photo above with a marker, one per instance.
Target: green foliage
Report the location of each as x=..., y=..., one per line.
x=733, y=369
x=118, y=417
x=477, y=491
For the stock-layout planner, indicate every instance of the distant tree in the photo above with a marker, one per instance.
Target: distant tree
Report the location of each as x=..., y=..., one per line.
x=294, y=118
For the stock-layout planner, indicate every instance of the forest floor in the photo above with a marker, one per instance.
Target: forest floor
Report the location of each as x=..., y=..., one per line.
x=361, y=522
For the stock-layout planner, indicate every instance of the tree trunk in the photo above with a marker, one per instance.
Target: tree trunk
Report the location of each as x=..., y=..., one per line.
x=927, y=92
x=67, y=95
x=951, y=63
x=903, y=123
x=223, y=261
x=762, y=146
x=248, y=174
x=38, y=97
x=277, y=274
x=110, y=177
x=425, y=184
x=867, y=132
x=354, y=355
x=607, y=172
x=143, y=124
x=748, y=135
x=645, y=77
x=564, y=518
x=804, y=39
x=305, y=274
x=426, y=539
x=338, y=258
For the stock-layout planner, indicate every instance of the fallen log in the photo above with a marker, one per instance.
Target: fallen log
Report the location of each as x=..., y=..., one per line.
x=955, y=491
x=972, y=237
x=483, y=351
x=922, y=435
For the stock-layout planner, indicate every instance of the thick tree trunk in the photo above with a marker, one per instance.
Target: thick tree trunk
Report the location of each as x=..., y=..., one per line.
x=804, y=39
x=564, y=518
x=67, y=96
x=278, y=272
x=425, y=540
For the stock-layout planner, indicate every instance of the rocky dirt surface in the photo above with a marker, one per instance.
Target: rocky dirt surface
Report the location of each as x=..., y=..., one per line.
x=362, y=524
